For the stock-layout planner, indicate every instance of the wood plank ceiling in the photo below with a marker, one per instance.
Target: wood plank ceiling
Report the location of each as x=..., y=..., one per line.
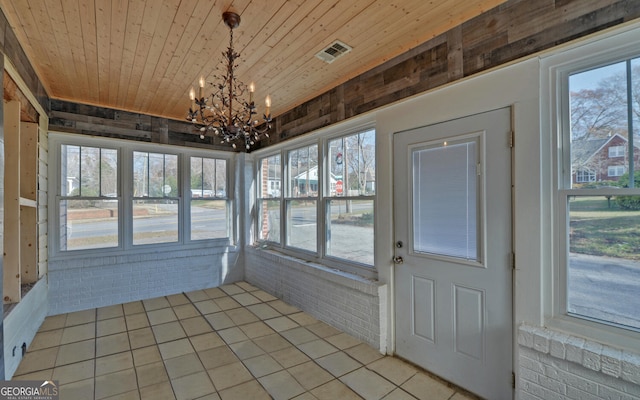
x=144, y=55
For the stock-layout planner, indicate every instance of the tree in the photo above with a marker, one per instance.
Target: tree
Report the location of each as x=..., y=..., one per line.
x=601, y=110
x=360, y=159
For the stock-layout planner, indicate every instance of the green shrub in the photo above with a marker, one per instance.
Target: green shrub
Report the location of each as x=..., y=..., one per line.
x=628, y=202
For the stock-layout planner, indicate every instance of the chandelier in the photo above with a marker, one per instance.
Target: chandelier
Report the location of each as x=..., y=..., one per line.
x=225, y=112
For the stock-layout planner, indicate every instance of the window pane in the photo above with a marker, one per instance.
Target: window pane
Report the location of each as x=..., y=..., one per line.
x=70, y=170
x=302, y=224
x=445, y=200
x=303, y=172
x=88, y=224
x=350, y=230
x=89, y=171
x=155, y=175
x=600, y=141
x=221, y=178
x=209, y=219
x=109, y=173
x=270, y=179
x=269, y=220
x=140, y=174
x=196, y=177
x=208, y=177
x=634, y=150
x=155, y=221
x=352, y=164
x=604, y=262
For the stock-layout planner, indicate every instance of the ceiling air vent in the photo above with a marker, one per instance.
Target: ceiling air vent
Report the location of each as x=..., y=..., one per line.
x=333, y=51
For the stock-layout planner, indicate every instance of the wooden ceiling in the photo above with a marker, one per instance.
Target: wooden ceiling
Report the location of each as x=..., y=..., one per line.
x=144, y=55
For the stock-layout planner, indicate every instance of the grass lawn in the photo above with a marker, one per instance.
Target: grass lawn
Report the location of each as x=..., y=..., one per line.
x=601, y=228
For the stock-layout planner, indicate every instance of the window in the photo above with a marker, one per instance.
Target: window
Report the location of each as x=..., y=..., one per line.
x=302, y=198
x=89, y=198
x=615, y=170
x=209, y=207
x=319, y=203
x=270, y=178
x=448, y=226
x=116, y=196
x=350, y=197
x=601, y=227
x=155, y=199
x=616, y=151
x=583, y=176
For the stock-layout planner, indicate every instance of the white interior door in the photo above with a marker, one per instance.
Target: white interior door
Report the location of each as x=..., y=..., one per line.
x=453, y=277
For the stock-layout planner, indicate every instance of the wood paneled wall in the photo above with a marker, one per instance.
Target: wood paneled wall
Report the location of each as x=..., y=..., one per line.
x=106, y=122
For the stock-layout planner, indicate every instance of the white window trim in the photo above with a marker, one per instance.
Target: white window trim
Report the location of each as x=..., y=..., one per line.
x=125, y=151
x=555, y=69
x=321, y=138
x=615, y=169
x=585, y=172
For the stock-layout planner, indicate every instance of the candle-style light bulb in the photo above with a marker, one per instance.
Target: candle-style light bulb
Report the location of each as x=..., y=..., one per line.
x=192, y=97
x=201, y=87
x=267, y=103
x=252, y=88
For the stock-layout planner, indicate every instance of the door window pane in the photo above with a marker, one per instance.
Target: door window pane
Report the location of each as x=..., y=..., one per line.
x=445, y=203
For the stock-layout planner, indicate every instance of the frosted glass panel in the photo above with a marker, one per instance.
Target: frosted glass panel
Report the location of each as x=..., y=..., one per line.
x=445, y=207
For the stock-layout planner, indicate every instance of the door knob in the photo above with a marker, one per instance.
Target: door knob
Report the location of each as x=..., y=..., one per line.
x=398, y=260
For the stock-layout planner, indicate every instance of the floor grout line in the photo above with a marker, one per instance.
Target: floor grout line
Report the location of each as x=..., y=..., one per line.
x=342, y=350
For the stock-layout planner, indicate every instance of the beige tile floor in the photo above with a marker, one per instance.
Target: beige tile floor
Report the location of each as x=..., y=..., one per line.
x=232, y=342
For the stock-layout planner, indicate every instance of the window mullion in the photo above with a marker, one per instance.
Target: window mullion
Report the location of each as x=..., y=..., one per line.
x=630, y=124
x=320, y=206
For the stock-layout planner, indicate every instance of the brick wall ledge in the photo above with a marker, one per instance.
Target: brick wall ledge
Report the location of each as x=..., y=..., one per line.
x=364, y=285
x=592, y=355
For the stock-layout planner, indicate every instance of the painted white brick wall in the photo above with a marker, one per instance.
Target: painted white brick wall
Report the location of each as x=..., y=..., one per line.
x=555, y=365
x=84, y=283
x=344, y=301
